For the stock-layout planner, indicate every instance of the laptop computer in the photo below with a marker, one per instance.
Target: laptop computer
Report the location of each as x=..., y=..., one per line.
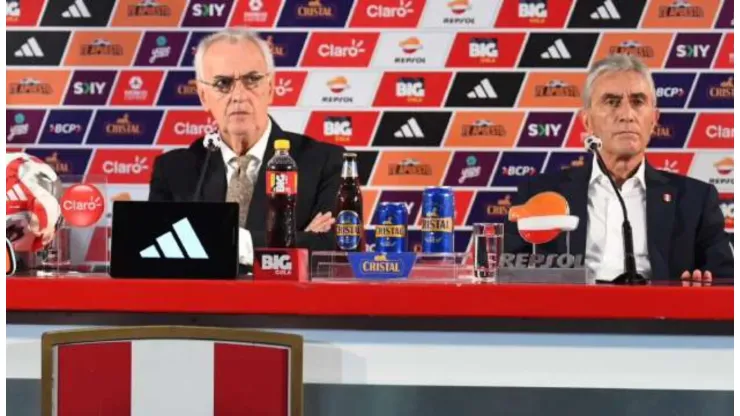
x=187, y=240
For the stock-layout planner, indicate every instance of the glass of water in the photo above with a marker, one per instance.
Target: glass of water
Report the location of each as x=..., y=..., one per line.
x=488, y=245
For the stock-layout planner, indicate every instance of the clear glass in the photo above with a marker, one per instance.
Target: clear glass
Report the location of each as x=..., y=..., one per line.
x=488, y=245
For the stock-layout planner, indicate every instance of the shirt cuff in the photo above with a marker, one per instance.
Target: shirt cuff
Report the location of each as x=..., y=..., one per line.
x=246, y=250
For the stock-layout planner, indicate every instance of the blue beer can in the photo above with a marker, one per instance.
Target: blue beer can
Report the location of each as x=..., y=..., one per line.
x=438, y=220
x=390, y=229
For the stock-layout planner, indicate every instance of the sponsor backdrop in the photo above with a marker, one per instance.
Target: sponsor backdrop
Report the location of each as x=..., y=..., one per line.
x=473, y=94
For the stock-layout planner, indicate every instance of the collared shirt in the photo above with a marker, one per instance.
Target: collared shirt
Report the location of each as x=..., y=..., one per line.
x=257, y=153
x=604, y=240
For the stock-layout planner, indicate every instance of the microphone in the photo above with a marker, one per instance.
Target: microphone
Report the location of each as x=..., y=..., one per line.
x=211, y=142
x=630, y=275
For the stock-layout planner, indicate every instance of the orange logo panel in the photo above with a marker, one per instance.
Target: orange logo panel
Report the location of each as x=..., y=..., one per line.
x=29, y=87
x=148, y=13
x=553, y=90
x=484, y=129
x=694, y=14
x=651, y=48
x=410, y=168
x=102, y=48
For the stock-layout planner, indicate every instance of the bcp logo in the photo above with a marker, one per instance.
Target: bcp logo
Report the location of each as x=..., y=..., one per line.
x=82, y=205
x=543, y=217
x=326, y=49
x=387, y=13
x=277, y=263
x=514, y=166
x=672, y=89
x=124, y=166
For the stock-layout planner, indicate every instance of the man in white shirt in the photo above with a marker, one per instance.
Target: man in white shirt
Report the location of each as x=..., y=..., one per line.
x=678, y=227
x=235, y=73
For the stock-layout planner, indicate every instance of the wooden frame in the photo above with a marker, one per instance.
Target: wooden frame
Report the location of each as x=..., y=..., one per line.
x=294, y=343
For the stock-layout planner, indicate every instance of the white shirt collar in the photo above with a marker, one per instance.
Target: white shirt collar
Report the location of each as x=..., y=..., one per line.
x=257, y=151
x=597, y=174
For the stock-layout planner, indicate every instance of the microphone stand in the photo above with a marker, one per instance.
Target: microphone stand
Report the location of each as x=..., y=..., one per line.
x=630, y=275
x=211, y=148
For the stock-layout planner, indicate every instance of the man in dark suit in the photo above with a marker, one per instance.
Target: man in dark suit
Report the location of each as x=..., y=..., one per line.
x=235, y=74
x=677, y=223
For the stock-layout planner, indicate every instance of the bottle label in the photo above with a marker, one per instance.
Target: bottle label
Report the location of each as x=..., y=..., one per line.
x=347, y=229
x=282, y=183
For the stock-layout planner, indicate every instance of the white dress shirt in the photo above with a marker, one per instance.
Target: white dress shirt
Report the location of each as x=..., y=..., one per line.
x=257, y=153
x=604, y=242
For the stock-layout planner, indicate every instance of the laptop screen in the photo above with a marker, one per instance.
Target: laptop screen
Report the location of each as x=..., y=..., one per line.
x=174, y=239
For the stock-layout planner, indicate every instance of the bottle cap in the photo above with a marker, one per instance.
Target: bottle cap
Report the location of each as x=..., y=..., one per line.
x=282, y=144
x=350, y=155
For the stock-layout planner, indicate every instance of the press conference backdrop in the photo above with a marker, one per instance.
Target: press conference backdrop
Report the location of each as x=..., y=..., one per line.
x=473, y=94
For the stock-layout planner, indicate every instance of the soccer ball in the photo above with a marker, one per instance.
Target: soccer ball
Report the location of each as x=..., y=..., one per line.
x=32, y=191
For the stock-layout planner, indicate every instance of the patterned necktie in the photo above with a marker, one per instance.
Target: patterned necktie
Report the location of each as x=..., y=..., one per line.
x=241, y=188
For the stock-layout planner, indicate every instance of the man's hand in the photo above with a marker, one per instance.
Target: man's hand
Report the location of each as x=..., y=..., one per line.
x=321, y=223
x=697, y=278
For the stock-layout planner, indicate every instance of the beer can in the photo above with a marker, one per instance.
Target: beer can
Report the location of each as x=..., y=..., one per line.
x=390, y=230
x=438, y=220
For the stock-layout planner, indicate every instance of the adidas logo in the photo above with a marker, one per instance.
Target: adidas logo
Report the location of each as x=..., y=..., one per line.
x=556, y=51
x=607, y=11
x=410, y=130
x=16, y=194
x=483, y=90
x=171, y=249
x=77, y=10
x=30, y=49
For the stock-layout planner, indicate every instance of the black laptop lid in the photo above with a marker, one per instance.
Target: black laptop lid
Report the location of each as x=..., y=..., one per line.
x=174, y=239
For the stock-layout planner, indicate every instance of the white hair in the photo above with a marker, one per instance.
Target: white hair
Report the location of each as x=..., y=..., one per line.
x=616, y=63
x=232, y=36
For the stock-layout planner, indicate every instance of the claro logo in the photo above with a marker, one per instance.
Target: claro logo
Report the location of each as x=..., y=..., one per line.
x=138, y=166
x=378, y=11
x=278, y=263
x=355, y=48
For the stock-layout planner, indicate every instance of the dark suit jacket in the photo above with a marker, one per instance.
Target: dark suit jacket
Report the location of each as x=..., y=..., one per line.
x=175, y=177
x=686, y=233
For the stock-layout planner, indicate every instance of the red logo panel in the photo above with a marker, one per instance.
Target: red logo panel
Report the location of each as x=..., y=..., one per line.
x=485, y=50
x=137, y=88
x=22, y=13
x=678, y=163
x=288, y=86
x=387, y=13
x=419, y=89
x=345, y=128
x=255, y=13
x=326, y=49
x=129, y=166
x=713, y=131
x=726, y=54
x=182, y=127
x=551, y=14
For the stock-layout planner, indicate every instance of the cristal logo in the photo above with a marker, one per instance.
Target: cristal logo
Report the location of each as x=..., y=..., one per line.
x=82, y=205
x=330, y=50
x=279, y=263
x=378, y=11
x=111, y=167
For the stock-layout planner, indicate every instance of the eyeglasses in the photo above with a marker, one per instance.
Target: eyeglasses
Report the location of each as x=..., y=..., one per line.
x=225, y=85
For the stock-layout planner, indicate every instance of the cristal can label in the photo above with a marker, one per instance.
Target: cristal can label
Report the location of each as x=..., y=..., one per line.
x=282, y=183
x=347, y=230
